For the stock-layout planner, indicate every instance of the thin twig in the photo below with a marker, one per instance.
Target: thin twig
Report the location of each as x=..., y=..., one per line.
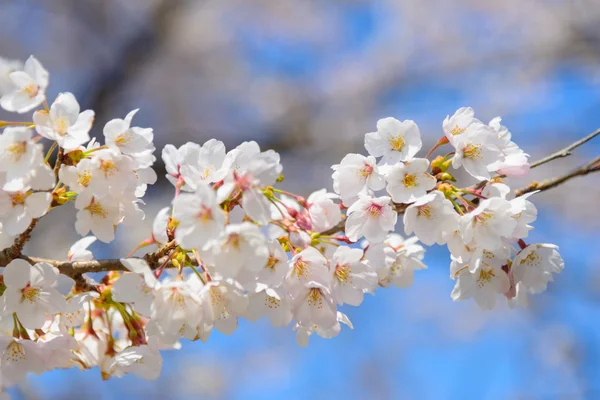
x=567, y=151
x=588, y=168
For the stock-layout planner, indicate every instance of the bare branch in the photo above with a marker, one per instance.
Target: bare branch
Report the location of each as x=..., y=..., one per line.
x=588, y=168
x=567, y=151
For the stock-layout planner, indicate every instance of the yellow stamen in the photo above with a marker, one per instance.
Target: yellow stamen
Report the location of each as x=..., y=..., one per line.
x=410, y=180
x=472, y=151
x=485, y=276
x=96, y=209
x=342, y=274
x=424, y=211
x=396, y=142
x=18, y=198
x=17, y=149
x=457, y=130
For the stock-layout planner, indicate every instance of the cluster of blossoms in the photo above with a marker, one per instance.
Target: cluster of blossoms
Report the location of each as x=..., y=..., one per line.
x=231, y=245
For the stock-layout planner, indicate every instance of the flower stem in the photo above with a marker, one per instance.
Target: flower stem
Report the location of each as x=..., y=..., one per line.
x=50, y=151
x=443, y=140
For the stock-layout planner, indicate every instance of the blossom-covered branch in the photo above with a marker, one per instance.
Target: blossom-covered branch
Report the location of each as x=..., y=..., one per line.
x=231, y=244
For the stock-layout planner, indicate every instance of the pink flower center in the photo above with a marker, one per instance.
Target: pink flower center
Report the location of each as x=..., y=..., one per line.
x=366, y=170
x=374, y=210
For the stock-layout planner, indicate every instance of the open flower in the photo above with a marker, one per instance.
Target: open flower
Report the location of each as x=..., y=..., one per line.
x=18, y=154
x=200, y=218
x=486, y=225
x=97, y=214
x=352, y=277
x=29, y=87
x=431, y=217
x=409, y=181
x=20, y=206
x=64, y=124
x=370, y=217
x=355, y=174
x=534, y=265
x=30, y=292
x=477, y=150
x=394, y=140
x=483, y=285
x=457, y=124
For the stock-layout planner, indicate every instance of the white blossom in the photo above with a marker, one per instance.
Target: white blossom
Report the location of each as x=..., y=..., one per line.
x=370, y=217
x=487, y=224
x=408, y=181
x=431, y=217
x=534, y=265
x=394, y=140
x=30, y=294
x=351, y=276
x=200, y=219
x=355, y=174
x=29, y=87
x=64, y=123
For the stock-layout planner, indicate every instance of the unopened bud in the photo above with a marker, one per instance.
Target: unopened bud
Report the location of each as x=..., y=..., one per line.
x=59, y=197
x=73, y=157
x=445, y=176
x=446, y=188
x=437, y=165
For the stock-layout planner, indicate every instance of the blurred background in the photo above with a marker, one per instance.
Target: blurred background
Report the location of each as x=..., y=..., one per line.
x=308, y=78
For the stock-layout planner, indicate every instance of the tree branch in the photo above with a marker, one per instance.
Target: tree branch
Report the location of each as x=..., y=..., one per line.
x=75, y=268
x=585, y=169
x=567, y=151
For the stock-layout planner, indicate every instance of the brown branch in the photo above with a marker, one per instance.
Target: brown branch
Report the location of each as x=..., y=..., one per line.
x=567, y=151
x=588, y=168
x=76, y=268
x=14, y=251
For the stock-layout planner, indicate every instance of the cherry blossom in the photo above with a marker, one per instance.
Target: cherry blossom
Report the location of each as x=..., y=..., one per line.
x=488, y=223
x=199, y=217
x=20, y=206
x=232, y=244
x=29, y=87
x=351, y=276
x=123, y=138
x=30, y=294
x=18, y=154
x=355, y=174
x=483, y=285
x=79, y=251
x=431, y=217
x=370, y=217
x=406, y=182
x=477, y=151
x=63, y=123
x=458, y=123
x=394, y=140
x=99, y=215
x=534, y=265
